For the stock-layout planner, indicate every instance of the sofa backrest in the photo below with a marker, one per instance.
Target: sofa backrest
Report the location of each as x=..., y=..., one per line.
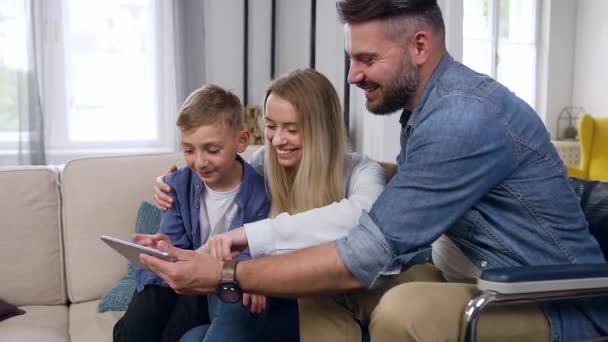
x=31, y=257
x=101, y=196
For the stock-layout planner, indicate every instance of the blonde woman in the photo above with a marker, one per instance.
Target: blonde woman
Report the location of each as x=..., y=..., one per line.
x=317, y=188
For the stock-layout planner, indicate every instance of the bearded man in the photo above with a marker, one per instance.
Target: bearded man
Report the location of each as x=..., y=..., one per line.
x=477, y=178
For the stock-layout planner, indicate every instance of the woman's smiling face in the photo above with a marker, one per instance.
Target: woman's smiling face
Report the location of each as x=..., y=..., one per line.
x=282, y=130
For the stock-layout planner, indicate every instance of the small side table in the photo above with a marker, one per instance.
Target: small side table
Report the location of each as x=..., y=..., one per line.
x=569, y=151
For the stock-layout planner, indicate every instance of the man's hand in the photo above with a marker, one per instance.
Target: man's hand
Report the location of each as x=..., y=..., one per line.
x=192, y=272
x=149, y=240
x=256, y=303
x=161, y=198
x=227, y=245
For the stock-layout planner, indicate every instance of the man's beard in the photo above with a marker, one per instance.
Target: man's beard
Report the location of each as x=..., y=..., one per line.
x=397, y=92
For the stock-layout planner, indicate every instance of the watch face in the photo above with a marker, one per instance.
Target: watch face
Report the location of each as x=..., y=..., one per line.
x=229, y=293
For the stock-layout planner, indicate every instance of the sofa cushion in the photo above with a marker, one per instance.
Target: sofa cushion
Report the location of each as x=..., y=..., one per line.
x=30, y=248
x=40, y=323
x=8, y=310
x=101, y=196
x=119, y=296
x=86, y=325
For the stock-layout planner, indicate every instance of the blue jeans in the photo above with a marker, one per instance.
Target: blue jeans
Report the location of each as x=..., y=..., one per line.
x=234, y=322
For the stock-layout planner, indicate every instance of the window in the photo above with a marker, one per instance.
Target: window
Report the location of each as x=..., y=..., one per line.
x=12, y=57
x=106, y=75
x=500, y=40
x=112, y=81
x=110, y=71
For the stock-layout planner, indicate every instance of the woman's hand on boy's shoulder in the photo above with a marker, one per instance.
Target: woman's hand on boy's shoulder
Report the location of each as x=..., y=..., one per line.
x=161, y=190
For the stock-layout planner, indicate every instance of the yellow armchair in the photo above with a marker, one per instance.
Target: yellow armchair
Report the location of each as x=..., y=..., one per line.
x=593, y=136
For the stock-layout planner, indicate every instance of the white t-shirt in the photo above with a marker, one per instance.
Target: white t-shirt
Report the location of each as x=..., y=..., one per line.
x=217, y=211
x=452, y=262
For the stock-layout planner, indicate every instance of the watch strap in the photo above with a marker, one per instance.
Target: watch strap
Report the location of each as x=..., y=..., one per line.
x=229, y=271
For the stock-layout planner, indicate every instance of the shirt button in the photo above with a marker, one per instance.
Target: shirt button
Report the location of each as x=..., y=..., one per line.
x=484, y=264
x=197, y=206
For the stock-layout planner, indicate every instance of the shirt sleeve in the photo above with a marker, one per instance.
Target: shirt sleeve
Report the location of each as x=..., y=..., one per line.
x=455, y=156
x=172, y=225
x=285, y=232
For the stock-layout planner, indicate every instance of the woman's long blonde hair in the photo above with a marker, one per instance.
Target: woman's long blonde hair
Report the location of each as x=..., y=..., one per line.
x=318, y=180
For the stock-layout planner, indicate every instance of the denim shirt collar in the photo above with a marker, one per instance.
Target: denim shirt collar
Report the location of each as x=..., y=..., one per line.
x=444, y=64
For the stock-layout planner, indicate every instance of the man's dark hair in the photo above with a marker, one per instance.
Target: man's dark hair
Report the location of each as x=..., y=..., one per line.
x=357, y=11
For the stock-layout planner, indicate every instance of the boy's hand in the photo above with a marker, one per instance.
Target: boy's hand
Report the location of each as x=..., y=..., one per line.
x=161, y=197
x=149, y=240
x=227, y=245
x=256, y=303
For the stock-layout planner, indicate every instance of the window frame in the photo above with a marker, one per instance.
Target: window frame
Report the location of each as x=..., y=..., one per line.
x=51, y=19
x=495, y=41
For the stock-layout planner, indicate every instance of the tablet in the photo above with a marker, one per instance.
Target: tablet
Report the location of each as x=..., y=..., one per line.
x=131, y=250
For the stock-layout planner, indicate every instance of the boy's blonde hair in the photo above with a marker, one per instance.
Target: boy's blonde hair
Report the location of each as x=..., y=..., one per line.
x=208, y=105
x=318, y=180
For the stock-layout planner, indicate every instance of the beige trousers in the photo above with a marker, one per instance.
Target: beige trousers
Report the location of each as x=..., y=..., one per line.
x=420, y=306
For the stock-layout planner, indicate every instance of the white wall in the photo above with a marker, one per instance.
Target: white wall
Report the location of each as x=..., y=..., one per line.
x=224, y=43
x=293, y=35
x=573, y=46
x=223, y=22
x=573, y=51
x=591, y=55
x=330, y=44
x=259, y=49
x=556, y=60
x=453, y=11
x=373, y=135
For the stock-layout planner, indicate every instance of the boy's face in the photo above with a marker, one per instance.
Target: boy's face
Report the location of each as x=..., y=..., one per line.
x=210, y=151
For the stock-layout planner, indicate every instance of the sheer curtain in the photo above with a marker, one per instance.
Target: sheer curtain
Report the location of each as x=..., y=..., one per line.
x=181, y=48
x=21, y=111
x=31, y=117
x=189, y=42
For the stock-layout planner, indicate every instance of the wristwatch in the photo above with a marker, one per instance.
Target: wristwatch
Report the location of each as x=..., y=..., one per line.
x=228, y=289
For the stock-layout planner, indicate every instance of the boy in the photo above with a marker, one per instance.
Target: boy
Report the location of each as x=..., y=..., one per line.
x=217, y=191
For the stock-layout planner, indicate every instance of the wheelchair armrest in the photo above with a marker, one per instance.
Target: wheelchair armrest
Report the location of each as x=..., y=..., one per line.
x=534, y=284
x=533, y=279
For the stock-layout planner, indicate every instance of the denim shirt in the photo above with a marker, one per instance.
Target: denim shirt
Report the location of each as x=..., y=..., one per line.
x=181, y=221
x=477, y=164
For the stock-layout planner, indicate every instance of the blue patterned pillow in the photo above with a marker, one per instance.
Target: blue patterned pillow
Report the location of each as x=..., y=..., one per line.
x=118, y=297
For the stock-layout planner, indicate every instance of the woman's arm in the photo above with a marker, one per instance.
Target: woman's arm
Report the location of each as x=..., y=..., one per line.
x=285, y=232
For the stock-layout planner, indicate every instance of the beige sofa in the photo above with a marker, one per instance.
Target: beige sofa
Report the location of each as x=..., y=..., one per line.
x=52, y=263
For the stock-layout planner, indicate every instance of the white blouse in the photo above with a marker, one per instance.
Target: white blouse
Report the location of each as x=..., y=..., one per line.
x=364, y=180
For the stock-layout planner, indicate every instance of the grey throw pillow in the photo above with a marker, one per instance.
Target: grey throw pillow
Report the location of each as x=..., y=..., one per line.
x=118, y=297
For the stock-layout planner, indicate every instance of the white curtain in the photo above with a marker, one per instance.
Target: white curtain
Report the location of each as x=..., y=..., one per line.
x=21, y=112
x=189, y=42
